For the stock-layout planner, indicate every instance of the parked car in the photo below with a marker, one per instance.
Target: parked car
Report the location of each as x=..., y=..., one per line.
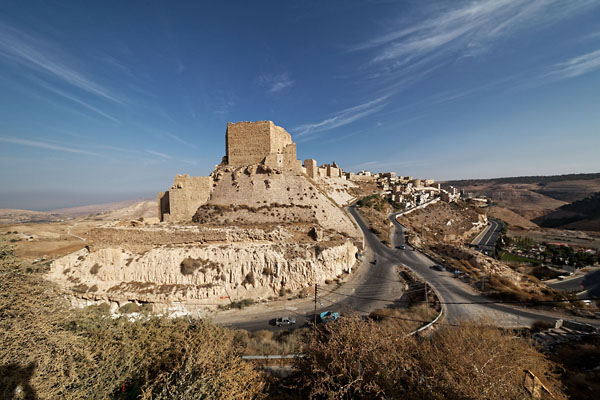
x=437, y=267
x=401, y=247
x=328, y=316
x=285, y=321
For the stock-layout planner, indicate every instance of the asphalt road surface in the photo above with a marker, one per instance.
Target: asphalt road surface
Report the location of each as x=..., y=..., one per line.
x=488, y=241
x=589, y=284
x=452, y=290
x=377, y=278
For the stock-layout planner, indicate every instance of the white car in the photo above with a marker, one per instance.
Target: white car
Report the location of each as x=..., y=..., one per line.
x=285, y=321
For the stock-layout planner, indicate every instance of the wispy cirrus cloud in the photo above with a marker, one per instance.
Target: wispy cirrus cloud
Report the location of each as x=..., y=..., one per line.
x=178, y=139
x=72, y=98
x=421, y=44
x=46, y=145
x=276, y=83
x=158, y=154
x=341, y=118
x=576, y=66
x=36, y=54
x=462, y=29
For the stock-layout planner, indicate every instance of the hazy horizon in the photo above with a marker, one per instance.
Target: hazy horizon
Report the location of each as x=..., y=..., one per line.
x=49, y=201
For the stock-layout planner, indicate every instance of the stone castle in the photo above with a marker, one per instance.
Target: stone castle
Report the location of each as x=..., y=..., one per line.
x=247, y=143
x=261, y=142
x=264, y=225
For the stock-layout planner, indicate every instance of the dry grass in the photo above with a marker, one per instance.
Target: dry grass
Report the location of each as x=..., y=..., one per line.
x=267, y=342
x=405, y=319
x=580, y=360
x=52, y=351
x=366, y=360
x=375, y=210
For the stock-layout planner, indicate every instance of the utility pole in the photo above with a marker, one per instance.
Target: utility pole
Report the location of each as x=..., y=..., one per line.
x=426, y=302
x=315, y=316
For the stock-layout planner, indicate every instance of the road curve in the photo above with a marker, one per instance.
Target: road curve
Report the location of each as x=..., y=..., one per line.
x=452, y=290
x=376, y=277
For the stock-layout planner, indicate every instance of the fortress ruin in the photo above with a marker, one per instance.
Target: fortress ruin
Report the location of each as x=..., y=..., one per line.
x=262, y=144
x=260, y=225
x=247, y=143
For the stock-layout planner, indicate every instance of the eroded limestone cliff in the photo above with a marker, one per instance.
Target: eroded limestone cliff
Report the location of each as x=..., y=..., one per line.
x=187, y=276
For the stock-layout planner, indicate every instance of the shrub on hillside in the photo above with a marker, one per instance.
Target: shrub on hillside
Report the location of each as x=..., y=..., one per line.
x=53, y=351
x=366, y=360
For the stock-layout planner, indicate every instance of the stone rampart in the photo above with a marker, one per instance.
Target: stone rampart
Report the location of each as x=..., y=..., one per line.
x=311, y=168
x=183, y=199
x=163, y=204
x=248, y=142
x=333, y=172
x=139, y=239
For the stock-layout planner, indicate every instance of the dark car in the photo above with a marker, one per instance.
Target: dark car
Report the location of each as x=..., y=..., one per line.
x=401, y=247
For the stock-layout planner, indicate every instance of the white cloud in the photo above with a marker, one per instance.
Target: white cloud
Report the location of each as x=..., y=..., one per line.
x=577, y=66
x=462, y=29
x=341, y=118
x=45, y=145
x=178, y=139
x=73, y=98
x=33, y=53
x=276, y=83
x=156, y=153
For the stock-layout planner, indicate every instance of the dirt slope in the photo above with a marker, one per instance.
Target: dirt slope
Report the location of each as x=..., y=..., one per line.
x=533, y=196
x=510, y=217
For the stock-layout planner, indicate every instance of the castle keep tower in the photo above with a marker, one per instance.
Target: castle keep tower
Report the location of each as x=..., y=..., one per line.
x=261, y=142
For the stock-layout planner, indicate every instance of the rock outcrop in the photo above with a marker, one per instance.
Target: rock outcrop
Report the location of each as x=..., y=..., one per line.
x=189, y=276
x=256, y=194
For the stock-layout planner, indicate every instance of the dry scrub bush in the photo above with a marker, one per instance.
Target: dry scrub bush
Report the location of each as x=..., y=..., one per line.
x=405, y=319
x=357, y=359
x=266, y=342
x=57, y=352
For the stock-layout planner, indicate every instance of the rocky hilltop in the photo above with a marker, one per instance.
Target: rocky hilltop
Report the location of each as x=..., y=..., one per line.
x=257, y=194
x=257, y=227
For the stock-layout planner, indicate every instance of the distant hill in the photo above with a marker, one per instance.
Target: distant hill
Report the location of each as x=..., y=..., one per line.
x=532, y=196
x=581, y=215
x=543, y=180
x=128, y=209
x=95, y=208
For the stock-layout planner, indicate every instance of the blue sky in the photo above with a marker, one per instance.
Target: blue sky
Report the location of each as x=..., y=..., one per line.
x=108, y=100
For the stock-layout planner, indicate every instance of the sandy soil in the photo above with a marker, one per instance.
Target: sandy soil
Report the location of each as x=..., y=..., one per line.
x=46, y=239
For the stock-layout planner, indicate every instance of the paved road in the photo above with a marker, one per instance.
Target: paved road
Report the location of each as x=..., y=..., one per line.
x=380, y=280
x=452, y=290
x=590, y=283
x=487, y=242
x=376, y=277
